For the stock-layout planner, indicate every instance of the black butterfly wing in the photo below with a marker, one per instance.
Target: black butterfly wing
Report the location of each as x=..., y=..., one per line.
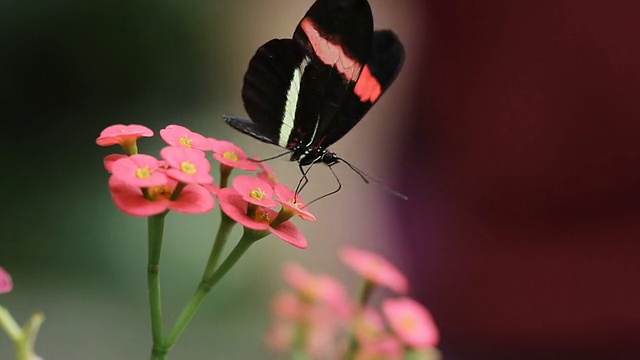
x=270, y=77
x=385, y=62
x=336, y=36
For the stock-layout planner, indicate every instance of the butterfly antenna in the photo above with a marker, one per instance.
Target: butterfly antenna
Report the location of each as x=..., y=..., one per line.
x=271, y=158
x=367, y=178
x=331, y=193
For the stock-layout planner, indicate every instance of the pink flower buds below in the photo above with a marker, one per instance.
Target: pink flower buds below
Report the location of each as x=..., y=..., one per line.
x=375, y=268
x=411, y=322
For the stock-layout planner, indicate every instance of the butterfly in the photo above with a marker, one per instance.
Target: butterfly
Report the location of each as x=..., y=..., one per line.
x=305, y=93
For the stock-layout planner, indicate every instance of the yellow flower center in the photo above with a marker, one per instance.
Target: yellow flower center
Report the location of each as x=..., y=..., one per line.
x=186, y=141
x=143, y=172
x=230, y=155
x=187, y=167
x=257, y=194
x=262, y=216
x=408, y=323
x=160, y=192
x=294, y=203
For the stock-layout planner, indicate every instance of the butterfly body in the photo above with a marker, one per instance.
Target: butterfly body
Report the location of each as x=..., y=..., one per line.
x=305, y=93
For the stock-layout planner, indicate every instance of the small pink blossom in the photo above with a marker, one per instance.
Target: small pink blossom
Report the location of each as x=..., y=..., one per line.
x=375, y=268
x=189, y=166
x=411, y=322
x=176, y=135
x=231, y=155
x=139, y=170
x=318, y=287
x=267, y=174
x=6, y=284
x=288, y=305
x=193, y=198
x=254, y=190
x=236, y=208
x=110, y=159
x=292, y=202
x=122, y=134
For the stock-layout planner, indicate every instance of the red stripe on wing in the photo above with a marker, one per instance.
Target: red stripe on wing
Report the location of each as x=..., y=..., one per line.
x=330, y=53
x=367, y=87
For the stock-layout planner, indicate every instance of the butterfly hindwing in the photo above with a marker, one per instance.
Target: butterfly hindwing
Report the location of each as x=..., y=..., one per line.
x=385, y=62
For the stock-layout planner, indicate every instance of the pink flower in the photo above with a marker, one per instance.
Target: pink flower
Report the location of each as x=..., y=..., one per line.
x=6, y=284
x=288, y=305
x=189, y=166
x=318, y=287
x=375, y=268
x=122, y=134
x=176, y=135
x=110, y=159
x=139, y=171
x=411, y=322
x=236, y=208
x=254, y=190
x=292, y=202
x=267, y=174
x=130, y=199
x=231, y=155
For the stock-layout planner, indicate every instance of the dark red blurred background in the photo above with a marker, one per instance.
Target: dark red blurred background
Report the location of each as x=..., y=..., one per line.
x=525, y=170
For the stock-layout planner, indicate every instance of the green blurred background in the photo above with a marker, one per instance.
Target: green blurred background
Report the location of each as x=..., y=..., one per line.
x=70, y=68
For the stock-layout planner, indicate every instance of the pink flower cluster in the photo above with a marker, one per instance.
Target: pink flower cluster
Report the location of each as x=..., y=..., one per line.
x=142, y=185
x=318, y=317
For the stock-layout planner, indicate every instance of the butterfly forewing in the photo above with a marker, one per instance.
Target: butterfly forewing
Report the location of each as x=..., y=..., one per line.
x=271, y=87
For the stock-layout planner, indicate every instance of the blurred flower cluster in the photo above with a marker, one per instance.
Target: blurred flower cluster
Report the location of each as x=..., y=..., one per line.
x=316, y=319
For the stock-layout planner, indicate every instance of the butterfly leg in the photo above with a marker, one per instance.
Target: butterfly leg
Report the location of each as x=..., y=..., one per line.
x=330, y=193
x=303, y=180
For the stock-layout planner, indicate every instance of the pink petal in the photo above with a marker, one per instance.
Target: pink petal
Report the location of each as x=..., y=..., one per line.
x=193, y=199
x=375, y=268
x=235, y=207
x=245, y=185
x=290, y=233
x=116, y=134
x=130, y=200
x=231, y=155
x=110, y=159
x=126, y=169
x=411, y=321
x=292, y=202
x=177, y=156
x=176, y=135
x=6, y=284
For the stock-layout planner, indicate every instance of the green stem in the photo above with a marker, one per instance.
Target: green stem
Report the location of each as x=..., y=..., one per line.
x=226, y=224
x=155, y=226
x=10, y=325
x=365, y=294
x=248, y=238
x=24, y=339
x=25, y=347
x=299, y=341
